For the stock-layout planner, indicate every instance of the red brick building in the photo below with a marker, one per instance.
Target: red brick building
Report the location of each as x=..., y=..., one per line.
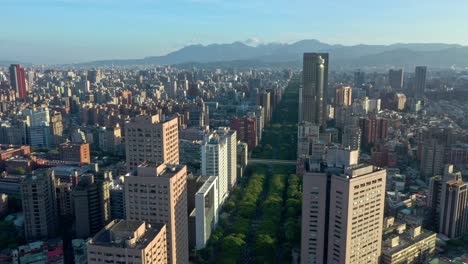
x=246, y=130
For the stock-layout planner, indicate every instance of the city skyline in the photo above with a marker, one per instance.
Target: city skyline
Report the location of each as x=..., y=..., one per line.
x=116, y=29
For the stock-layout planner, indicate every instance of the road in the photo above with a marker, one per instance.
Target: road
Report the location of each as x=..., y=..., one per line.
x=272, y=162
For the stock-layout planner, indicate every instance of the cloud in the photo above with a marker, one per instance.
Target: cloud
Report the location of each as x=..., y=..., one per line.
x=254, y=41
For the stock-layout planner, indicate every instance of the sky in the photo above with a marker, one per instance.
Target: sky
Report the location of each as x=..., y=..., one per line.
x=69, y=31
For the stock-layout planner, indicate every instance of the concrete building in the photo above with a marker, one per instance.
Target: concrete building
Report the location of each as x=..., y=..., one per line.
x=406, y=245
x=342, y=214
x=313, y=95
x=91, y=203
x=343, y=95
x=307, y=134
x=64, y=199
x=150, y=139
x=124, y=241
x=75, y=152
x=39, y=200
x=158, y=194
x=206, y=211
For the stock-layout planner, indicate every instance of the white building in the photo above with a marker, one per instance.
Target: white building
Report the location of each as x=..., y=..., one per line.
x=215, y=162
x=206, y=211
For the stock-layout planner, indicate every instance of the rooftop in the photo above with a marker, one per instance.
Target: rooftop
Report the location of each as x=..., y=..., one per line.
x=126, y=234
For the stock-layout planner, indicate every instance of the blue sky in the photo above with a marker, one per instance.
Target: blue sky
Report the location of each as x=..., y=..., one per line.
x=59, y=31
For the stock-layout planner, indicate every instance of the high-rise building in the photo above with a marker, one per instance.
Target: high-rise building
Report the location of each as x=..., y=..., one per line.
x=246, y=130
x=435, y=192
x=344, y=95
x=158, y=194
x=206, y=214
x=342, y=214
x=453, y=218
x=264, y=100
x=18, y=80
x=39, y=200
x=351, y=137
x=395, y=78
x=215, y=163
x=75, y=152
x=420, y=81
x=91, y=205
x=313, y=95
x=124, y=241
x=150, y=139
x=432, y=157
x=56, y=128
x=374, y=129
x=359, y=78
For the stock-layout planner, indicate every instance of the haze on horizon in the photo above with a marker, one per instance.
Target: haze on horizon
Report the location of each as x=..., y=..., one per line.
x=67, y=31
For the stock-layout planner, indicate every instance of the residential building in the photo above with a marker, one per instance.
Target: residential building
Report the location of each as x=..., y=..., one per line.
x=75, y=152
x=39, y=200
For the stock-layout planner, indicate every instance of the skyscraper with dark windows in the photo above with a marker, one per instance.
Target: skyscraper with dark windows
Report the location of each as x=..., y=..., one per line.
x=420, y=81
x=395, y=79
x=18, y=80
x=313, y=94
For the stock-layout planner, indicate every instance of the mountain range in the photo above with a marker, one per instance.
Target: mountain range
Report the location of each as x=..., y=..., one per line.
x=436, y=55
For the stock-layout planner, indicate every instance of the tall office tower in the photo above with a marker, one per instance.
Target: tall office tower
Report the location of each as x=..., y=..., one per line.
x=91, y=205
x=18, y=80
x=214, y=155
x=39, y=200
x=313, y=101
x=150, y=139
x=37, y=116
x=123, y=241
x=351, y=137
x=264, y=100
x=342, y=214
x=395, y=78
x=432, y=157
x=344, y=95
x=158, y=194
x=420, y=81
x=359, y=78
x=56, y=128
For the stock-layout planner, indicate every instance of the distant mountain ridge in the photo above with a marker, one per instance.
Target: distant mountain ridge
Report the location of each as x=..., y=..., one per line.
x=437, y=55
